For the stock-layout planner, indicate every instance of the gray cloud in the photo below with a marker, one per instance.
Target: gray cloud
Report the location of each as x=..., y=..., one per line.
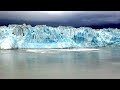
x=33, y=15
x=79, y=17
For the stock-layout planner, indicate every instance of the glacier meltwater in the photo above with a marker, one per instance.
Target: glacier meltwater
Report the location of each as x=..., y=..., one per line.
x=42, y=36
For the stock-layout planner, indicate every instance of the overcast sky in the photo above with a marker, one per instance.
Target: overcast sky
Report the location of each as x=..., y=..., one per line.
x=71, y=18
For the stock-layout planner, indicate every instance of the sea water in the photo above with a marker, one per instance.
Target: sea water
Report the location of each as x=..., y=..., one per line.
x=60, y=63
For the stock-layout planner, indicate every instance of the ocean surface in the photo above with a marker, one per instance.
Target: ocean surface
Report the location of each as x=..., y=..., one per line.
x=82, y=63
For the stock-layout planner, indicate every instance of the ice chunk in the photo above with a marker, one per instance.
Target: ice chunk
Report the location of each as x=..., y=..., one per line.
x=8, y=43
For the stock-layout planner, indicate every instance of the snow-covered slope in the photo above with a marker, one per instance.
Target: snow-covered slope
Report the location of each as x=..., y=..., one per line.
x=42, y=36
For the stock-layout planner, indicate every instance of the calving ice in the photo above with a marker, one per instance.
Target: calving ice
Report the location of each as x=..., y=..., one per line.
x=42, y=36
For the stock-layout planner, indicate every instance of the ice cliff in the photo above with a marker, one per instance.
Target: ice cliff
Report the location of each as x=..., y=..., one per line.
x=42, y=36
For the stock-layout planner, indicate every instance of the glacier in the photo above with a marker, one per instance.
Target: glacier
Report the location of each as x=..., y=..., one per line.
x=41, y=36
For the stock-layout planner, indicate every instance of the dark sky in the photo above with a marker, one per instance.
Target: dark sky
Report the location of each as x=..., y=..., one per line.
x=94, y=19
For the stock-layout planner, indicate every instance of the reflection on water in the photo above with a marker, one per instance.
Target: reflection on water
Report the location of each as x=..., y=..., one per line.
x=103, y=63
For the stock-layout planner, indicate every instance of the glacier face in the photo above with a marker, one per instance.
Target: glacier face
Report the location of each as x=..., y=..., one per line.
x=42, y=36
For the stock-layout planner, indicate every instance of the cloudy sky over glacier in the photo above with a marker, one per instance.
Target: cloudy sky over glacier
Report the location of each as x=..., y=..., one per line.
x=66, y=18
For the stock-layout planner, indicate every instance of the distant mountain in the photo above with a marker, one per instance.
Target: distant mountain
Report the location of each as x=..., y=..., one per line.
x=55, y=24
x=106, y=26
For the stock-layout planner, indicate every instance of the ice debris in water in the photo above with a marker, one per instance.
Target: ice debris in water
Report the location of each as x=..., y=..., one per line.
x=42, y=36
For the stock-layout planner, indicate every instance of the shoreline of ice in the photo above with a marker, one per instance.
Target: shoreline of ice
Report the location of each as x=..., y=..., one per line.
x=42, y=36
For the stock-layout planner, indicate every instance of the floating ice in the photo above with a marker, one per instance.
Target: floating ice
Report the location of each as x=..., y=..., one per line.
x=60, y=50
x=42, y=36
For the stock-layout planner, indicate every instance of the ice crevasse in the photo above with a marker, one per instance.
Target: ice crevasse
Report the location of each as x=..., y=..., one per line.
x=41, y=36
